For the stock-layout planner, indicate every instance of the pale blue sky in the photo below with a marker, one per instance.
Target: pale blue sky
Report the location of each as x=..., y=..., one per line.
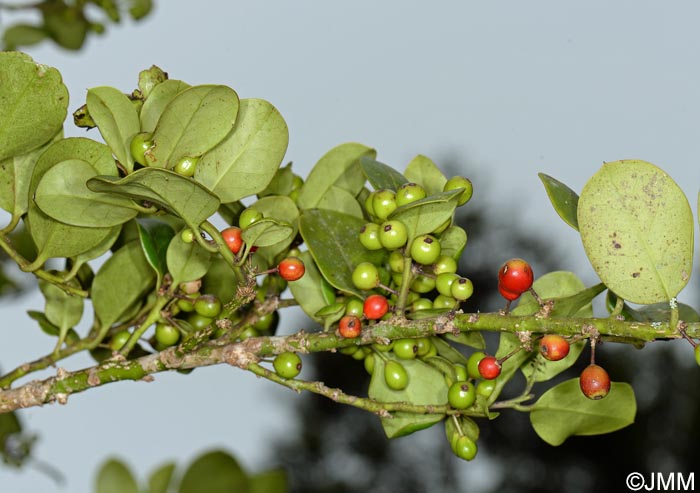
x=509, y=87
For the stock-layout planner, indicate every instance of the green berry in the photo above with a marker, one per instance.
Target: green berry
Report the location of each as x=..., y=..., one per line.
x=166, y=334
x=140, y=143
x=485, y=388
x=369, y=201
x=424, y=346
x=473, y=364
x=265, y=322
x=365, y=276
x=396, y=261
x=199, y=322
x=395, y=375
x=443, y=227
x=460, y=182
x=287, y=364
x=187, y=304
x=421, y=304
x=461, y=395
x=119, y=339
x=425, y=249
x=444, y=264
x=422, y=284
x=354, y=306
x=187, y=235
x=465, y=448
x=406, y=348
x=461, y=372
x=409, y=192
x=369, y=236
x=443, y=283
x=248, y=217
x=247, y=333
x=186, y=166
x=208, y=305
x=393, y=235
x=369, y=363
x=442, y=302
x=383, y=203
x=462, y=289
x=697, y=354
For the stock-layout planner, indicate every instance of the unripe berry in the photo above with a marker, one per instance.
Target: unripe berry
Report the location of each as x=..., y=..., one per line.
x=489, y=368
x=287, y=364
x=443, y=283
x=425, y=249
x=248, y=217
x=461, y=395
x=697, y=354
x=186, y=166
x=444, y=264
x=594, y=382
x=365, y=276
x=460, y=182
x=395, y=375
x=465, y=448
x=393, y=235
x=383, y=203
x=473, y=364
x=369, y=236
x=409, y=192
x=554, y=347
x=462, y=289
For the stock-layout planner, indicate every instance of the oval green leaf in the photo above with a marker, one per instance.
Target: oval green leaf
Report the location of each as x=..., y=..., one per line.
x=122, y=282
x=186, y=261
x=155, y=237
x=115, y=477
x=181, y=196
x=340, y=200
x=339, y=167
x=564, y=200
x=33, y=106
x=284, y=210
x=637, y=230
x=117, y=119
x=215, y=472
x=332, y=238
x=63, y=195
x=308, y=290
x=453, y=240
x=159, y=481
x=247, y=159
x=564, y=411
x=423, y=171
x=61, y=309
x=426, y=215
x=381, y=175
x=194, y=121
x=426, y=386
x=267, y=232
x=157, y=101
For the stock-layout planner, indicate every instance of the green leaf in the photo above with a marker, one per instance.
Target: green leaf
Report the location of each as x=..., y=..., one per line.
x=155, y=237
x=220, y=280
x=426, y=386
x=330, y=314
x=470, y=338
x=339, y=200
x=282, y=182
x=637, y=230
x=658, y=312
x=215, y=472
x=66, y=24
x=339, y=167
x=267, y=232
x=22, y=35
x=186, y=261
x=15, y=178
x=272, y=481
x=160, y=480
x=381, y=175
x=157, y=101
x=121, y=283
x=117, y=119
x=33, y=105
x=61, y=309
x=564, y=200
x=333, y=240
x=284, y=210
x=115, y=477
x=423, y=171
x=63, y=195
x=308, y=290
x=181, y=196
x=55, y=239
x=247, y=159
x=194, y=121
x=453, y=240
x=426, y=215
x=564, y=411
x=446, y=350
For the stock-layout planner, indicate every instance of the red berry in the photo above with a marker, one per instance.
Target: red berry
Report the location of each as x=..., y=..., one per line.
x=489, y=368
x=594, y=382
x=507, y=294
x=515, y=276
x=291, y=269
x=350, y=326
x=375, y=307
x=554, y=347
x=232, y=237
